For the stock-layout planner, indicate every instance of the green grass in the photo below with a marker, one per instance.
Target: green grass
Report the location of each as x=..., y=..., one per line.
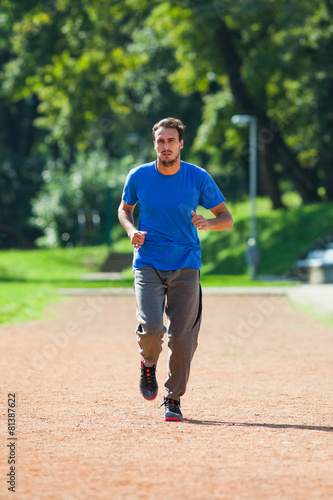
x=30, y=278
x=55, y=266
x=22, y=302
x=214, y=280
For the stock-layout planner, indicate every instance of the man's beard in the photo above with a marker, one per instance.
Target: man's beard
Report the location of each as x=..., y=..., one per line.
x=169, y=163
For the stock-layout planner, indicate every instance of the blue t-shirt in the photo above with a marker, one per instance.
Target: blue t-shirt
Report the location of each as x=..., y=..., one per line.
x=165, y=203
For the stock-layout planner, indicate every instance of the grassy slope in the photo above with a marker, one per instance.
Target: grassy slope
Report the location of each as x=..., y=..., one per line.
x=282, y=236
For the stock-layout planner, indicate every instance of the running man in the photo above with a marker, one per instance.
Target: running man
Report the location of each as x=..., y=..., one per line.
x=167, y=257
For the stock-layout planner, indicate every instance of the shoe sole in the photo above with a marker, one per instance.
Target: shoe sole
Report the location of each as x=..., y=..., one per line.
x=149, y=399
x=173, y=419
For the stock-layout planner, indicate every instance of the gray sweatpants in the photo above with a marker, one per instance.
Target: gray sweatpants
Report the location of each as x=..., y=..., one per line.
x=178, y=293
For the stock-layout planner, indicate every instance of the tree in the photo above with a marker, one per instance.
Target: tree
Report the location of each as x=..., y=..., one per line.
x=254, y=50
x=74, y=63
x=70, y=55
x=78, y=76
x=21, y=163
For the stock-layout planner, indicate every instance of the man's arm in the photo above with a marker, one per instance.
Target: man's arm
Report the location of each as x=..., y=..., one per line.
x=223, y=219
x=126, y=219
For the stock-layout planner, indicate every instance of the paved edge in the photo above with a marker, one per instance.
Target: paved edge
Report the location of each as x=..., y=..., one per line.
x=205, y=290
x=319, y=297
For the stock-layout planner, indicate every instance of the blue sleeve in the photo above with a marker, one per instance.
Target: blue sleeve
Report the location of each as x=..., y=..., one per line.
x=210, y=194
x=129, y=192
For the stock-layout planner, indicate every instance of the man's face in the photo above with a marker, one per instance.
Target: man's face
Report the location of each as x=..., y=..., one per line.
x=167, y=145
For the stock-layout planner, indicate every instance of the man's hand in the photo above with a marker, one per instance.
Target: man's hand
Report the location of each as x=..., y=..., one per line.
x=125, y=215
x=222, y=219
x=137, y=238
x=199, y=221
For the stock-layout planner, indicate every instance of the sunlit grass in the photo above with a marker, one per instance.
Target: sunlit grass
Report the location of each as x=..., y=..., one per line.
x=21, y=302
x=29, y=279
x=52, y=265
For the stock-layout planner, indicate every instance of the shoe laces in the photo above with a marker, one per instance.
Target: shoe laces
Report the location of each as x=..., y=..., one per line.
x=148, y=372
x=171, y=404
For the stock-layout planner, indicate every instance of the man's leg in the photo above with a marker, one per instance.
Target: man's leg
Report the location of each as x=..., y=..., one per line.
x=150, y=300
x=183, y=309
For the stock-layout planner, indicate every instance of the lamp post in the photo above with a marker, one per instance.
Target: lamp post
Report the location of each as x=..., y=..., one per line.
x=252, y=249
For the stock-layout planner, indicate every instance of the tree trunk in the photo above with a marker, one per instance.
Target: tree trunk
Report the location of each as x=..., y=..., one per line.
x=274, y=143
x=326, y=163
x=268, y=176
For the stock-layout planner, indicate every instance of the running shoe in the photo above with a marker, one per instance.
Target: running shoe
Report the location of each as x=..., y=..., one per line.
x=148, y=383
x=172, y=410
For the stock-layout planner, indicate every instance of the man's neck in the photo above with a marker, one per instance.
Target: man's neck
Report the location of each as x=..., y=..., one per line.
x=168, y=169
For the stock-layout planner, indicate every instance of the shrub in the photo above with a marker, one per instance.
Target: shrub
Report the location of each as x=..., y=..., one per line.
x=82, y=187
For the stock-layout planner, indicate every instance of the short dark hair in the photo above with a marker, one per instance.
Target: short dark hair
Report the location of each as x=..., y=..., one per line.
x=170, y=123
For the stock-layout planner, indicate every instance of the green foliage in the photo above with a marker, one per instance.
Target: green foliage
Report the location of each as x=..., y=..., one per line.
x=80, y=76
x=284, y=52
x=79, y=48
x=81, y=187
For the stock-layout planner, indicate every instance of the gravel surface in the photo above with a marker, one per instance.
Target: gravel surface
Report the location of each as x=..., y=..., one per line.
x=257, y=423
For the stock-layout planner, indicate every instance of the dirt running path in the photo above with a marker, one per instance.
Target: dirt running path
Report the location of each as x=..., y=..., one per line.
x=258, y=411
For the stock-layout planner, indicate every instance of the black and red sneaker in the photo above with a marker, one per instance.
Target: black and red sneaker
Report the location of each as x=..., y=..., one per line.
x=172, y=410
x=148, y=383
